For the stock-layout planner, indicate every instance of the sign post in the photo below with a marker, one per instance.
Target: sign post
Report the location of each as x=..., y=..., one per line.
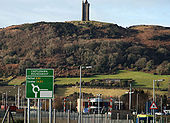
x=153, y=107
x=39, y=85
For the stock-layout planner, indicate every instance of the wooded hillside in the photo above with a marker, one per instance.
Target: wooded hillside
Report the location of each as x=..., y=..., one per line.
x=66, y=46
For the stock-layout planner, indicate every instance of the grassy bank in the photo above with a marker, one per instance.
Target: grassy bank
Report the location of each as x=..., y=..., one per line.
x=142, y=80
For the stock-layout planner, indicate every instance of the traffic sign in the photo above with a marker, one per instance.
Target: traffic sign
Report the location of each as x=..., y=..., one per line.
x=39, y=83
x=153, y=106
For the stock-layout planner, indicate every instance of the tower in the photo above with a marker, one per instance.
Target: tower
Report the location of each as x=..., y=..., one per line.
x=85, y=10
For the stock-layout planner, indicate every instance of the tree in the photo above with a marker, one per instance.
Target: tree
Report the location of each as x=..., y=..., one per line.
x=140, y=63
x=149, y=65
x=163, y=68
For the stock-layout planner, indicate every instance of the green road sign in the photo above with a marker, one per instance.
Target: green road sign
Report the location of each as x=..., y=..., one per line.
x=39, y=83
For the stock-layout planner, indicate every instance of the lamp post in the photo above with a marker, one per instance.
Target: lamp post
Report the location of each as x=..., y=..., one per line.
x=81, y=67
x=160, y=80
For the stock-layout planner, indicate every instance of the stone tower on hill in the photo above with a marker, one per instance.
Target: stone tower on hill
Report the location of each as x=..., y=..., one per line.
x=85, y=10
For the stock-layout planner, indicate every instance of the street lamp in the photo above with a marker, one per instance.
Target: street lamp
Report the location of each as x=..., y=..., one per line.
x=81, y=67
x=160, y=80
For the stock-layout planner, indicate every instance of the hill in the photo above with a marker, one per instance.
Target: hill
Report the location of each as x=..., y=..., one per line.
x=65, y=46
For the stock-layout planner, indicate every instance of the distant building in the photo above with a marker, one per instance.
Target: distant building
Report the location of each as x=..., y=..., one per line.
x=91, y=105
x=85, y=10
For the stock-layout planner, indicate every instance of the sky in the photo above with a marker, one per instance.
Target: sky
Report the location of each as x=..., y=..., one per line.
x=122, y=12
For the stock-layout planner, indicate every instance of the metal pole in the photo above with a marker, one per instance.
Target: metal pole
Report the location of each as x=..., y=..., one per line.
x=127, y=118
x=80, y=99
x=25, y=115
x=82, y=108
x=70, y=106
x=119, y=103
x=105, y=117
x=153, y=90
x=18, y=97
x=38, y=111
x=45, y=106
x=64, y=105
x=6, y=99
x=8, y=120
x=161, y=108
x=28, y=112
x=147, y=120
x=153, y=100
x=130, y=97
x=21, y=102
x=68, y=118
x=50, y=110
x=54, y=116
x=15, y=99
x=118, y=117
x=137, y=102
x=98, y=109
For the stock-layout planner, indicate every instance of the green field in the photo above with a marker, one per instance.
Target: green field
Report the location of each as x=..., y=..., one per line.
x=142, y=80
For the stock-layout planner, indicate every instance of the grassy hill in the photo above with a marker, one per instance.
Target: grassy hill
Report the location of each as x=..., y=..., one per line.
x=65, y=46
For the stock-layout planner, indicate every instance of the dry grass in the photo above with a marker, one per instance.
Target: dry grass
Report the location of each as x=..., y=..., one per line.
x=94, y=91
x=17, y=81
x=105, y=92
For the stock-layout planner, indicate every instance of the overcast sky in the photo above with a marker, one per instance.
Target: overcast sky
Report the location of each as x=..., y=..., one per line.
x=122, y=12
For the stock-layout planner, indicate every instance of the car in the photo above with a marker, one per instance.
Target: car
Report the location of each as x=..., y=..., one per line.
x=159, y=113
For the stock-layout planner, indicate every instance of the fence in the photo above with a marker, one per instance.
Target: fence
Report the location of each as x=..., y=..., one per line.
x=73, y=117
